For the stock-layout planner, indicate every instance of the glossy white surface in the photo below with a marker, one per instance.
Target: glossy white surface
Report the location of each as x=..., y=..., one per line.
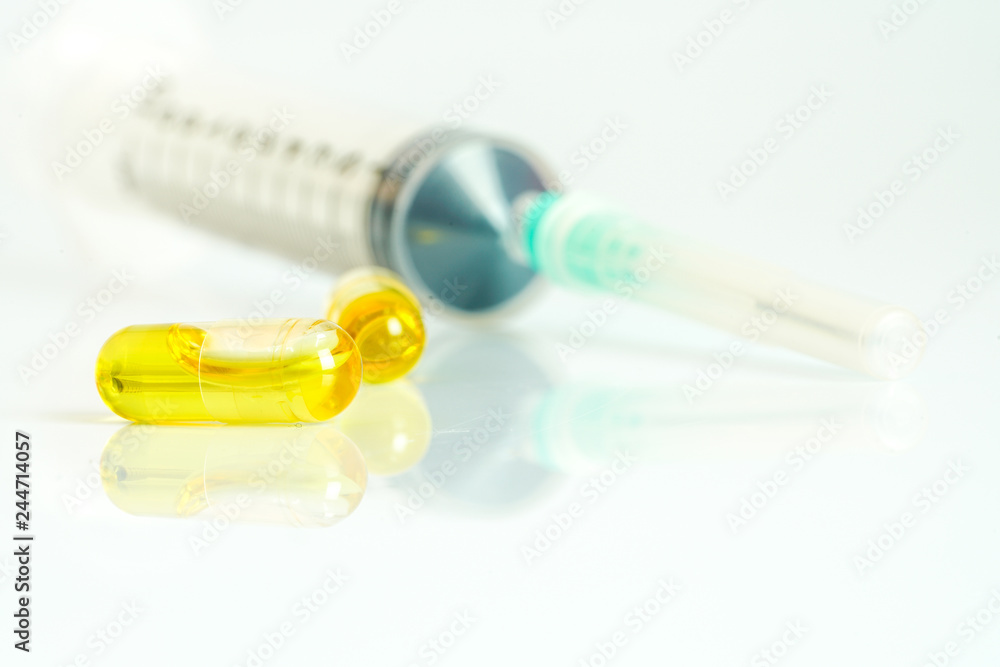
x=461, y=561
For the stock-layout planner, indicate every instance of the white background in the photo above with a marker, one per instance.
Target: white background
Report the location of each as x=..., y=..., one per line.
x=795, y=561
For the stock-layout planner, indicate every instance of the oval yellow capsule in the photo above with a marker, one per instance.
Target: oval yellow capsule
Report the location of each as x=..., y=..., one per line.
x=383, y=316
x=295, y=370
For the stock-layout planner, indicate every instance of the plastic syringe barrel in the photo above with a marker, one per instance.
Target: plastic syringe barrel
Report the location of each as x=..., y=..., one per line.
x=579, y=241
x=341, y=187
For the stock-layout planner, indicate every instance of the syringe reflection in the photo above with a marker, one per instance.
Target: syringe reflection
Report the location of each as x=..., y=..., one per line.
x=574, y=427
x=305, y=476
x=552, y=427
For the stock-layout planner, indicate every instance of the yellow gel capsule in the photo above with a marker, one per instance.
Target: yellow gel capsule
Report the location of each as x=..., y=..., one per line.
x=296, y=370
x=383, y=317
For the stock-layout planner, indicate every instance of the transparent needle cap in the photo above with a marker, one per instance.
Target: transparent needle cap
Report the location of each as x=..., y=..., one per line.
x=579, y=241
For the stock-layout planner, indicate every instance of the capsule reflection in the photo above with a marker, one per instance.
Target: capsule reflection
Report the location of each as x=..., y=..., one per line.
x=390, y=425
x=305, y=476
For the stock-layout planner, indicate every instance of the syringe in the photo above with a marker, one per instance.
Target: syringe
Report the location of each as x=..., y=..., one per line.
x=468, y=220
x=580, y=241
